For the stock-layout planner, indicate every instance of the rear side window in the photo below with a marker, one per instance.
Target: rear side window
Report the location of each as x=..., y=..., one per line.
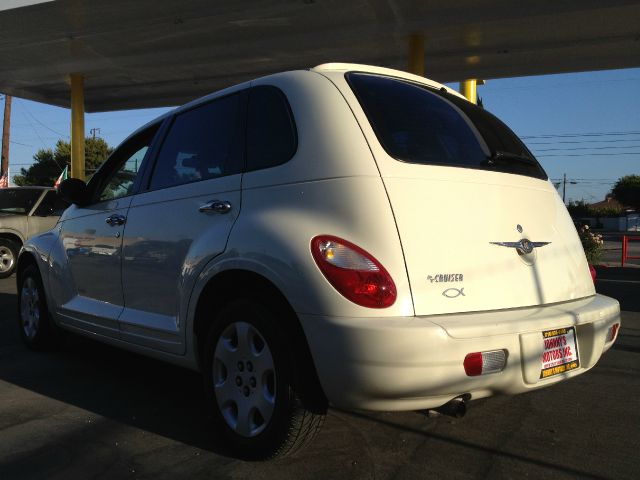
x=271, y=132
x=416, y=124
x=18, y=200
x=203, y=143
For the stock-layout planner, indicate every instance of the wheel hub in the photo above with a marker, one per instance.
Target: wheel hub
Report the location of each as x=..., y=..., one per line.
x=7, y=259
x=30, y=307
x=244, y=379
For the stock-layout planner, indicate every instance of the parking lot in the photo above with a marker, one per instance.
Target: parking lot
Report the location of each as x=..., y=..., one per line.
x=91, y=411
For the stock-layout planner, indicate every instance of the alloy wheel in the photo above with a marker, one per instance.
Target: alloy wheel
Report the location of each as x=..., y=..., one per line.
x=7, y=259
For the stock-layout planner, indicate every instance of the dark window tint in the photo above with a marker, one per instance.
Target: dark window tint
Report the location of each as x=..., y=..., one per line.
x=271, y=133
x=203, y=143
x=508, y=152
x=51, y=204
x=415, y=125
x=18, y=200
x=420, y=125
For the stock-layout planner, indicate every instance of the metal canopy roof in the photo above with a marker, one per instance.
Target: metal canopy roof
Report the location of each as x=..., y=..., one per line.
x=147, y=53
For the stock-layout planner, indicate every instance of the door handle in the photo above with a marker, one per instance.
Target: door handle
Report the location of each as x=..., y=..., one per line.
x=216, y=206
x=115, y=219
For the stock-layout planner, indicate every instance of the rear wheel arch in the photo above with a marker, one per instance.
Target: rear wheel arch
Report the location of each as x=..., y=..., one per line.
x=10, y=245
x=233, y=284
x=26, y=260
x=12, y=237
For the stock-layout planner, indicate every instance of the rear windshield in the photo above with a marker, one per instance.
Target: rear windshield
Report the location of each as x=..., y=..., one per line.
x=418, y=124
x=18, y=201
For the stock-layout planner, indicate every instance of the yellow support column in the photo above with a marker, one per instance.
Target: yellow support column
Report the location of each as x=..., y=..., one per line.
x=77, y=126
x=468, y=89
x=416, y=54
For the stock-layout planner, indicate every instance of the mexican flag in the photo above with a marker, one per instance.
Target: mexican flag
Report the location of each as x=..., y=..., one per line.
x=63, y=176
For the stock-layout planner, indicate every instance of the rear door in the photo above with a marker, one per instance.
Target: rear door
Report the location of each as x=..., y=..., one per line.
x=481, y=226
x=182, y=221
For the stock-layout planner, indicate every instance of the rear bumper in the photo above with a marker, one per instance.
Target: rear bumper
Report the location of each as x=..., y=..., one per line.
x=411, y=363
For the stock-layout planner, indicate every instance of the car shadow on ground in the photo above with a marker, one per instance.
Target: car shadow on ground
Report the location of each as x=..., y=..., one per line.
x=122, y=386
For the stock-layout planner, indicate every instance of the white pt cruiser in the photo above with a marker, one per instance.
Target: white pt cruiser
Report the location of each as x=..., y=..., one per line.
x=345, y=235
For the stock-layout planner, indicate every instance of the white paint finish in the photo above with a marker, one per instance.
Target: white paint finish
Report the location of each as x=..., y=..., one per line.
x=87, y=263
x=277, y=224
x=448, y=216
x=330, y=143
x=415, y=220
x=413, y=363
x=168, y=241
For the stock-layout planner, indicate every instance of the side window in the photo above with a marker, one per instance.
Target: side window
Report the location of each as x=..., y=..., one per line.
x=204, y=142
x=271, y=132
x=124, y=165
x=50, y=205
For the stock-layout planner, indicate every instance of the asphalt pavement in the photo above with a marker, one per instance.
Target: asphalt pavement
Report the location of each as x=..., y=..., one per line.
x=92, y=411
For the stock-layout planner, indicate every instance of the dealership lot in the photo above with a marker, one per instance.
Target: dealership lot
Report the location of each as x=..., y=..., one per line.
x=93, y=411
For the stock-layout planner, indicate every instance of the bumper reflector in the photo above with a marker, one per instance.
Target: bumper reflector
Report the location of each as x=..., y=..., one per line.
x=483, y=363
x=613, y=331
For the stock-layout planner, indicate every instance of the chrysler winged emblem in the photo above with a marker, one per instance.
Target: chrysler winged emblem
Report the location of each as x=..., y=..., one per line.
x=524, y=246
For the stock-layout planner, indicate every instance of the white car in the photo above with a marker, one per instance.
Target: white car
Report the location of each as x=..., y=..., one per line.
x=345, y=235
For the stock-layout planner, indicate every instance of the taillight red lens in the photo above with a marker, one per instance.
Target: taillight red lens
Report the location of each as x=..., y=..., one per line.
x=484, y=363
x=353, y=272
x=473, y=364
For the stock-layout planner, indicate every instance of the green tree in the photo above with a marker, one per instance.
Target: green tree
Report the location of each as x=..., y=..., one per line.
x=48, y=163
x=627, y=191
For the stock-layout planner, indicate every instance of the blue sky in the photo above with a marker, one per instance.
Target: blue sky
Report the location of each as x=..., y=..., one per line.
x=586, y=125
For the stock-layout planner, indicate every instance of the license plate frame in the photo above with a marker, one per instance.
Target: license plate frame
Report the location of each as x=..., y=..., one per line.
x=559, y=352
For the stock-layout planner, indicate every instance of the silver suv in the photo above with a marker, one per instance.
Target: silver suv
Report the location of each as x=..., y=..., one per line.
x=345, y=235
x=24, y=211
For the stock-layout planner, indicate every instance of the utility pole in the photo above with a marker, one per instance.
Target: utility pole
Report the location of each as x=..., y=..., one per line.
x=93, y=132
x=6, y=125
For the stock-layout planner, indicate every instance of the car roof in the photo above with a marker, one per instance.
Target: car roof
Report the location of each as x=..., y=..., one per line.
x=389, y=72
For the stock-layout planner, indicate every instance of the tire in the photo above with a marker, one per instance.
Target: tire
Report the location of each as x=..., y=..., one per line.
x=249, y=383
x=8, y=257
x=36, y=328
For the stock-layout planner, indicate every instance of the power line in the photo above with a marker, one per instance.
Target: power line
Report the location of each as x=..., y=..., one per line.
x=18, y=143
x=32, y=127
x=618, y=140
x=584, y=148
x=590, y=134
x=587, y=154
x=42, y=124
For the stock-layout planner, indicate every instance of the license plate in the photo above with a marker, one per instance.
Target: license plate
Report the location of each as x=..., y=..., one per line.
x=560, y=352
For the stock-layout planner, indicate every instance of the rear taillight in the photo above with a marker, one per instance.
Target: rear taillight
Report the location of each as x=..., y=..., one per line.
x=483, y=363
x=354, y=273
x=592, y=271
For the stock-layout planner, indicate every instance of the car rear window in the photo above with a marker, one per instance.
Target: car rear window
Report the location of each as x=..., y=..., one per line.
x=418, y=124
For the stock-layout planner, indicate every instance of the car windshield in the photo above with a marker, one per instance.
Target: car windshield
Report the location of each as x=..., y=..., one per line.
x=18, y=201
x=418, y=124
